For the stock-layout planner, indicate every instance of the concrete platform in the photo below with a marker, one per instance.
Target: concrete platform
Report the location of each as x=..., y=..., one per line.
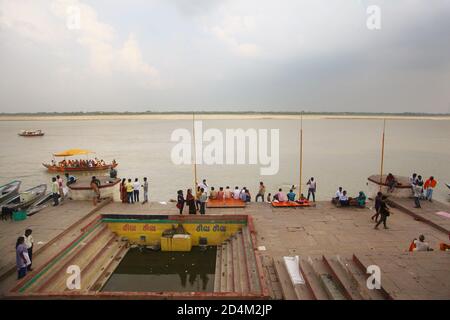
x=325, y=237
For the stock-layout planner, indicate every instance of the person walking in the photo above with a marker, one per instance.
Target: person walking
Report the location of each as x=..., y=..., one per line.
x=95, y=191
x=130, y=190
x=312, y=187
x=384, y=213
x=429, y=186
x=55, y=193
x=190, y=202
x=377, y=206
x=180, y=201
x=21, y=257
x=136, y=187
x=60, y=188
x=417, y=195
x=29, y=243
x=145, y=188
x=261, y=192
x=203, y=199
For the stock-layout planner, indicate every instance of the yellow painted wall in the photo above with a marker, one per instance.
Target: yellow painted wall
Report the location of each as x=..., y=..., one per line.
x=216, y=233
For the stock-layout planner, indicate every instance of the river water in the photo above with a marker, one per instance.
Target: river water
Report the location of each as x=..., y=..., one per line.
x=337, y=152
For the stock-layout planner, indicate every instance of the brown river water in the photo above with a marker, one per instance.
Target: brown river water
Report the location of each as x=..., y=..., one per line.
x=337, y=152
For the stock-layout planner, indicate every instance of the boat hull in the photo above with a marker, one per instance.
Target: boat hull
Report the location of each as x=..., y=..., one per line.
x=12, y=192
x=31, y=135
x=51, y=168
x=20, y=202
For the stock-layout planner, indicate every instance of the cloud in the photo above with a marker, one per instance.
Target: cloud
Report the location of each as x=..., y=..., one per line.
x=234, y=27
x=49, y=25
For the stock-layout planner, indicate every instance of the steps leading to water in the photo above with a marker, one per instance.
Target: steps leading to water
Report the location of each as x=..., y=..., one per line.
x=327, y=278
x=91, y=252
x=236, y=269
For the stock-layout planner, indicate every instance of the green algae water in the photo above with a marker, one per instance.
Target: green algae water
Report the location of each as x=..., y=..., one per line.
x=155, y=271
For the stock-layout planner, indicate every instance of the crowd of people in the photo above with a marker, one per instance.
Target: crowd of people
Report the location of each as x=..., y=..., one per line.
x=130, y=190
x=197, y=201
x=81, y=163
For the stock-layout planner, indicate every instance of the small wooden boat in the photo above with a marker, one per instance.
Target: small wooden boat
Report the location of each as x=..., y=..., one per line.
x=31, y=133
x=55, y=168
x=42, y=203
x=26, y=198
x=9, y=190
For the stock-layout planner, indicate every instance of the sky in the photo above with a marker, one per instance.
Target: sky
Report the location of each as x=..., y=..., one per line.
x=225, y=55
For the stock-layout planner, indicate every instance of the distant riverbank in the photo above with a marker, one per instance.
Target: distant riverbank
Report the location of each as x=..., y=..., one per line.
x=213, y=116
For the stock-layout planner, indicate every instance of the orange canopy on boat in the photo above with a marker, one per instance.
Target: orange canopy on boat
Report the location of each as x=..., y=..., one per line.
x=72, y=152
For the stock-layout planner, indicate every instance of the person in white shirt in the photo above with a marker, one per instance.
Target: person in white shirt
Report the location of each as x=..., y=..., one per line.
x=227, y=193
x=204, y=185
x=337, y=196
x=29, y=242
x=236, y=193
x=136, y=187
x=343, y=199
x=338, y=193
x=421, y=245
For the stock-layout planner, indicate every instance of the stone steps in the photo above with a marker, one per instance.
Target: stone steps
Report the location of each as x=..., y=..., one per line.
x=236, y=269
x=326, y=278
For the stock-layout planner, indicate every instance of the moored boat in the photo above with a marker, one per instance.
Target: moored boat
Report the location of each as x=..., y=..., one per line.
x=9, y=190
x=31, y=133
x=39, y=204
x=26, y=198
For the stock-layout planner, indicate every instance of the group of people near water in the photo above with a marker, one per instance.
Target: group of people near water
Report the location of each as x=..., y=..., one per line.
x=58, y=187
x=342, y=199
x=80, y=163
x=420, y=189
x=130, y=190
x=197, y=202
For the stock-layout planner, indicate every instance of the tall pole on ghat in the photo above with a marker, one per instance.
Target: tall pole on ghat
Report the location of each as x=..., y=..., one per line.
x=301, y=156
x=382, y=153
x=195, y=154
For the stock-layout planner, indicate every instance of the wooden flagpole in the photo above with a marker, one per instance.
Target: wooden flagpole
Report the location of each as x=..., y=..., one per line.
x=195, y=154
x=301, y=156
x=382, y=153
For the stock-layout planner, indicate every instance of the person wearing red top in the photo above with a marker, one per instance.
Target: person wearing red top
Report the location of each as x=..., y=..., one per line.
x=429, y=186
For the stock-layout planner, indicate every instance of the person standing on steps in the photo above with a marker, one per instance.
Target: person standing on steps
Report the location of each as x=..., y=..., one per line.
x=21, y=257
x=261, y=192
x=55, y=193
x=190, y=200
x=136, y=187
x=429, y=186
x=180, y=201
x=129, y=187
x=95, y=191
x=145, y=188
x=417, y=194
x=203, y=199
x=29, y=243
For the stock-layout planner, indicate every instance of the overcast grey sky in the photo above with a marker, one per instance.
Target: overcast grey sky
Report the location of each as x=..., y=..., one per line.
x=220, y=55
